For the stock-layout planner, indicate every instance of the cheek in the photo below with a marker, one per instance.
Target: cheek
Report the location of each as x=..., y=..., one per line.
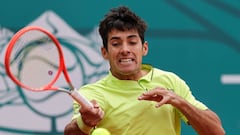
x=112, y=53
x=111, y=56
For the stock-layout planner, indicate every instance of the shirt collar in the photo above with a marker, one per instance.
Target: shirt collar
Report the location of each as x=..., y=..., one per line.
x=147, y=77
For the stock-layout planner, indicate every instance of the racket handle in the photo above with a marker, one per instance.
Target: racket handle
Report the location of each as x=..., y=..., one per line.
x=80, y=99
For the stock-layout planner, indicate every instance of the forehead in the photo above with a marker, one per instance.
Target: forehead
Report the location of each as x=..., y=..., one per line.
x=115, y=34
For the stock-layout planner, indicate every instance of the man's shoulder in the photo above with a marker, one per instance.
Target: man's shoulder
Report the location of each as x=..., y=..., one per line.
x=159, y=73
x=99, y=82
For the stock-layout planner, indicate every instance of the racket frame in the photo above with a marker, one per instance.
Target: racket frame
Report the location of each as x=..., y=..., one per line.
x=62, y=68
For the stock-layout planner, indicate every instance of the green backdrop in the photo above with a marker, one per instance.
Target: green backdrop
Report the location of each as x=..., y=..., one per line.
x=197, y=39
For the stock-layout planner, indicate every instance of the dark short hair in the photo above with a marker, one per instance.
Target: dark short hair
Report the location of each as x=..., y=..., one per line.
x=121, y=18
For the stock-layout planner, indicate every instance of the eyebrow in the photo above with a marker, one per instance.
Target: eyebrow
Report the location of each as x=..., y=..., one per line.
x=116, y=37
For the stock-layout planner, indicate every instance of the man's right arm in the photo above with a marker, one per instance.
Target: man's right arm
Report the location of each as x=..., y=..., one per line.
x=86, y=121
x=73, y=129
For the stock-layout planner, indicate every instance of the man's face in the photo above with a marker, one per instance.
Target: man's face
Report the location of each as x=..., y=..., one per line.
x=125, y=52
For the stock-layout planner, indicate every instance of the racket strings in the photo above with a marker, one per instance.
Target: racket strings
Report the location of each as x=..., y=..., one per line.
x=34, y=59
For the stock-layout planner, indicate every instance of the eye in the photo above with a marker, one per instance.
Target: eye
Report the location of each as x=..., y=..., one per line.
x=115, y=43
x=132, y=42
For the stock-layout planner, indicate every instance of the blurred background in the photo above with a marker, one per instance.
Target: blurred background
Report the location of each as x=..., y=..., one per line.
x=197, y=39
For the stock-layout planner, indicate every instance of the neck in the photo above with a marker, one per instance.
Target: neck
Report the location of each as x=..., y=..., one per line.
x=134, y=76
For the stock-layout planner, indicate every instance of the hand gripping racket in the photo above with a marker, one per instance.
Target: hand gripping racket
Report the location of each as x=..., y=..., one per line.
x=34, y=61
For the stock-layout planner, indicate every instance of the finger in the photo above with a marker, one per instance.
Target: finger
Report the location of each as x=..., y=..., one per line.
x=156, y=91
x=162, y=102
x=144, y=97
x=101, y=113
x=148, y=95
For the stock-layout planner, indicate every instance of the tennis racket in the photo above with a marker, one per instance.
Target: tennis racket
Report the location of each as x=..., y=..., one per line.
x=34, y=60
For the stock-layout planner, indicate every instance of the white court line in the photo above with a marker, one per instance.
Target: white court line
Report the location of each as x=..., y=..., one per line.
x=230, y=78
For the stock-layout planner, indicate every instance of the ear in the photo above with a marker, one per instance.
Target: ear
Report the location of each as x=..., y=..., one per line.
x=104, y=53
x=145, y=48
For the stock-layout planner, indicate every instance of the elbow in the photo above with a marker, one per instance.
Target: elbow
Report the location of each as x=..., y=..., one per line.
x=216, y=131
x=221, y=131
x=72, y=129
x=68, y=130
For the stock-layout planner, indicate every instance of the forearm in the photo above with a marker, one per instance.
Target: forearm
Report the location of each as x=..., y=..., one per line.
x=86, y=121
x=205, y=122
x=73, y=129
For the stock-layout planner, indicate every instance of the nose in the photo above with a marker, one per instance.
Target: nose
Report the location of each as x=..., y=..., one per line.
x=125, y=49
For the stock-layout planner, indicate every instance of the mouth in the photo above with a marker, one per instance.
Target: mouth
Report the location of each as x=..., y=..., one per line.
x=127, y=60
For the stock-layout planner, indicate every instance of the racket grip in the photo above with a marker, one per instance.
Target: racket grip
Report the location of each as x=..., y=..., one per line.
x=84, y=102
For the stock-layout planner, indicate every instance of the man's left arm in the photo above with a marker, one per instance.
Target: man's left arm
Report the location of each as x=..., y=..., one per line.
x=205, y=122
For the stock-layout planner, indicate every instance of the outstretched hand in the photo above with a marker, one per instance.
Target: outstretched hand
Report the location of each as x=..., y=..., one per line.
x=160, y=95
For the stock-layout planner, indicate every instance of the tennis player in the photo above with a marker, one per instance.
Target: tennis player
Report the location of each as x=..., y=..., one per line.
x=136, y=98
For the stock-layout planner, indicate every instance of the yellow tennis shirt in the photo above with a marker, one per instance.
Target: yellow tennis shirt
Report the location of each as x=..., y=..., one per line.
x=126, y=115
